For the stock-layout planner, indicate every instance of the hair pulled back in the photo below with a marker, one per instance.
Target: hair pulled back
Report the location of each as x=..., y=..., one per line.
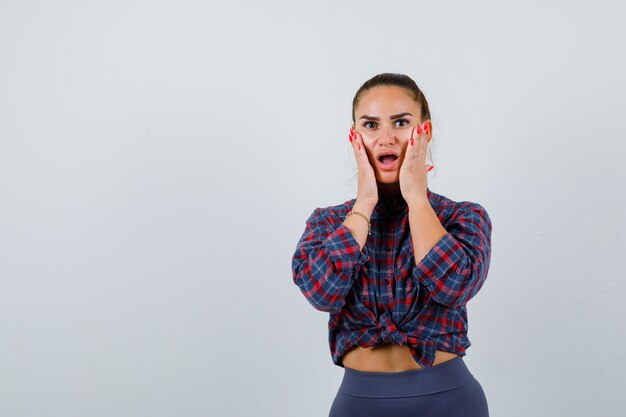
x=397, y=80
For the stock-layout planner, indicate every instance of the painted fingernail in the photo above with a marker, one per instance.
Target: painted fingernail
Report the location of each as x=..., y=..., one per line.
x=431, y=167
x=412, y=141
x=419, y=130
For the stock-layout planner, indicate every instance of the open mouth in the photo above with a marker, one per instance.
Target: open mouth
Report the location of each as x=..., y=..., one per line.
x=387, y=162
x=385, y=159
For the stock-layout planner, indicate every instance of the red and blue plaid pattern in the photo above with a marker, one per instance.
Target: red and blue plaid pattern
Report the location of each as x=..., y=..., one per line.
x=380, y=294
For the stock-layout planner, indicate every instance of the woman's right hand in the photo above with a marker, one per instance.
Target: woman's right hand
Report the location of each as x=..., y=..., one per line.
x=367, y=192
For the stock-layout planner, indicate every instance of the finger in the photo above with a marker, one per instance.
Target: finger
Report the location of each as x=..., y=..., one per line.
x=409, y=151
x=427, y=127
x=353, y=142
x=358, y=148
x=417, y=147
x=368, y=165
x=415, y=137
x=421, y=130
x=423, y=143
x=421, y=150
x=413, y=146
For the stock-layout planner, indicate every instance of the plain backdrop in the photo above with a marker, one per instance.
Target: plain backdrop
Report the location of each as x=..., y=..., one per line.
x=159, y=159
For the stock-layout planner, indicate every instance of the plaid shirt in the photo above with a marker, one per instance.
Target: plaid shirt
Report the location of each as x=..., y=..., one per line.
x=379, y=294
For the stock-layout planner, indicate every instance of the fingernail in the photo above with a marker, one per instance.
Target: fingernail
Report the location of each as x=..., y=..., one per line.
x=419, y=130
x=431, y=167
x=359, y=145
x=350, y=137
x=412, y=141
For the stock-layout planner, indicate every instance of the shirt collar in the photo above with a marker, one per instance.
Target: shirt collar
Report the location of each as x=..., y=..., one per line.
x=394, y=204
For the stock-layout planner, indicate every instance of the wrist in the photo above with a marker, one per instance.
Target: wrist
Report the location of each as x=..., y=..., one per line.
x=364, y=208
x=418, y=203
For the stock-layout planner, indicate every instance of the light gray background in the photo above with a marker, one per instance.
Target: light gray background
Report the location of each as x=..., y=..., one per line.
x=158, y=161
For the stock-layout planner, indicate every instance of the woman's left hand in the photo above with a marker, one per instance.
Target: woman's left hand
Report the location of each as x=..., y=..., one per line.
x=413, y=171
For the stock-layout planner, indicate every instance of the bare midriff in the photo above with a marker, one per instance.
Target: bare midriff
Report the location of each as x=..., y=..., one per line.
x=387, y=357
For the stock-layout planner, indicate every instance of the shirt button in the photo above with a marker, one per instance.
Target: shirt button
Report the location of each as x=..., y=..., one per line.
x=386, y=281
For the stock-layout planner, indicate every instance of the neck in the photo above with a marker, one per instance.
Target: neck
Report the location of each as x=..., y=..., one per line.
x=389, y=193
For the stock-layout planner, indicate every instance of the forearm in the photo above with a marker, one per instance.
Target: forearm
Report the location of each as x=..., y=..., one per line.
x=327, y=259
x=451, y=263
x=357, y=224
x=426, y=229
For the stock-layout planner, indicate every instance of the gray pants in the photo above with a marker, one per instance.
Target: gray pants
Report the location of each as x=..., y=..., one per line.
x=445, y=390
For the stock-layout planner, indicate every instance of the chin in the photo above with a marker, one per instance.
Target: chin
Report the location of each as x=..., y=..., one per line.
x=388, y=177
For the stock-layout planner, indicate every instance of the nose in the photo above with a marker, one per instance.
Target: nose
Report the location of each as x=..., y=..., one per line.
x=387, y=135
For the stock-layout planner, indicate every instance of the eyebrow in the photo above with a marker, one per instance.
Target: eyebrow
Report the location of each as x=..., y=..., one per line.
x=395, y=116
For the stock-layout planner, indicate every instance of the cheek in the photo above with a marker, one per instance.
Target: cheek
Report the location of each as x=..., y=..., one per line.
x=368, y=137
x=368, y=148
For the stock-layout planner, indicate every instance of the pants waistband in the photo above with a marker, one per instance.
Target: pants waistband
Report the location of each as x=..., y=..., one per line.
x=448, y=375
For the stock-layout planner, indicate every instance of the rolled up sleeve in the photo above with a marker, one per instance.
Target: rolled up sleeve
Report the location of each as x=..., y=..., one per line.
x=456, y=267
x=326, y=261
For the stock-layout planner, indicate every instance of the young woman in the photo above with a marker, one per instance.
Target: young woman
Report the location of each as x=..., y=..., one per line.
x=395, y=268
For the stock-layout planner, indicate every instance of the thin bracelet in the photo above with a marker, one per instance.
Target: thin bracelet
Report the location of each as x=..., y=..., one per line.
x=369, y=227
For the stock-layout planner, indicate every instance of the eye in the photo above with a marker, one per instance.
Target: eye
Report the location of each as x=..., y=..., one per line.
x=404, y=121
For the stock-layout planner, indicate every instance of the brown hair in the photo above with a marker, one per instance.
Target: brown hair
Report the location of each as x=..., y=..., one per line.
x=397, y=80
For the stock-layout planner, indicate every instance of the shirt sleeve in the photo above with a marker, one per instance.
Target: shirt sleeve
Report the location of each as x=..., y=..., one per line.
x=455, y=268
x=326, y=261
